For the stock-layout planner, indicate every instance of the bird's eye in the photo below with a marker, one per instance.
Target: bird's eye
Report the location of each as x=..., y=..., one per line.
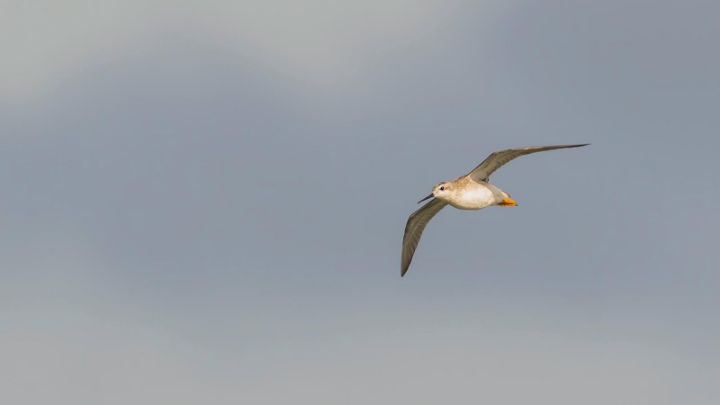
x=442, y=188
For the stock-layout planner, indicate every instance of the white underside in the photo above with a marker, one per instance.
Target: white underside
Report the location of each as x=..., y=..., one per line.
x=473, y=198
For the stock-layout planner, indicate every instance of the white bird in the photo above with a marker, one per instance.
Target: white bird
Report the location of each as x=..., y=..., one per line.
x=469, y=192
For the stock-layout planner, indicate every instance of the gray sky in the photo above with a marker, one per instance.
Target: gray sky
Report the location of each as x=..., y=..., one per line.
x=205, y=201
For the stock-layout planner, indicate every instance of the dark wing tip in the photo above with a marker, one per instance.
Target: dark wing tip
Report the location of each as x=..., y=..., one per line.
x=575, y=145
x=405, y=264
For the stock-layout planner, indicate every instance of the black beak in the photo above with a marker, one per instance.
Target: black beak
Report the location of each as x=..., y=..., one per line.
x=426, y=198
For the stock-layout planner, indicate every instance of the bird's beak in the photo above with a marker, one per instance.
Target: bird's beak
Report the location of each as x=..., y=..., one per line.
x=426, y=198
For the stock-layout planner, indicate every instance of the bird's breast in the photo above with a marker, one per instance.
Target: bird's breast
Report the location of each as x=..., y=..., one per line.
x=472, y=198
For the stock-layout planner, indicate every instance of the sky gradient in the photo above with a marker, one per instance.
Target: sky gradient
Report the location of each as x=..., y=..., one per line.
x=205, y=202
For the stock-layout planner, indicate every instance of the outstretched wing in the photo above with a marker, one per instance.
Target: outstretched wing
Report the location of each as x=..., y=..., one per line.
x=414, y=229
x=493, y=162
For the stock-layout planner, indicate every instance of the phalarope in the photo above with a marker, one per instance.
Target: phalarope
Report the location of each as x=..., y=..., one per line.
x=469, y=192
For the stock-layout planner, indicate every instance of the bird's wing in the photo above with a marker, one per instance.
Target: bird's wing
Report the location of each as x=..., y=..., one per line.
x=414, y=229
x=493, y=162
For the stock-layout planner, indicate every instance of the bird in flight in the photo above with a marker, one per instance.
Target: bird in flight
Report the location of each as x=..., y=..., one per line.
x=469, y=192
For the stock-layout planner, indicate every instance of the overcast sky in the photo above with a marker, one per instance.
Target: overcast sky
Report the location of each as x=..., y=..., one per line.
x=204, y=202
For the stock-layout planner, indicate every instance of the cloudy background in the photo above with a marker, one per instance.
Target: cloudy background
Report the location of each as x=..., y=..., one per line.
x=204, y=202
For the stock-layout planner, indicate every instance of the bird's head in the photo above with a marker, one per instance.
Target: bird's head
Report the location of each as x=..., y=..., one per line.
x=441, y=190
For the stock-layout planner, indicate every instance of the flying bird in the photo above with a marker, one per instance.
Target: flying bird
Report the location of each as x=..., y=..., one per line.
x=469, y=192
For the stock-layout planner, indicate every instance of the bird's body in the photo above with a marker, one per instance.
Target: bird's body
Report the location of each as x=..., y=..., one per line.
x=469, y=192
